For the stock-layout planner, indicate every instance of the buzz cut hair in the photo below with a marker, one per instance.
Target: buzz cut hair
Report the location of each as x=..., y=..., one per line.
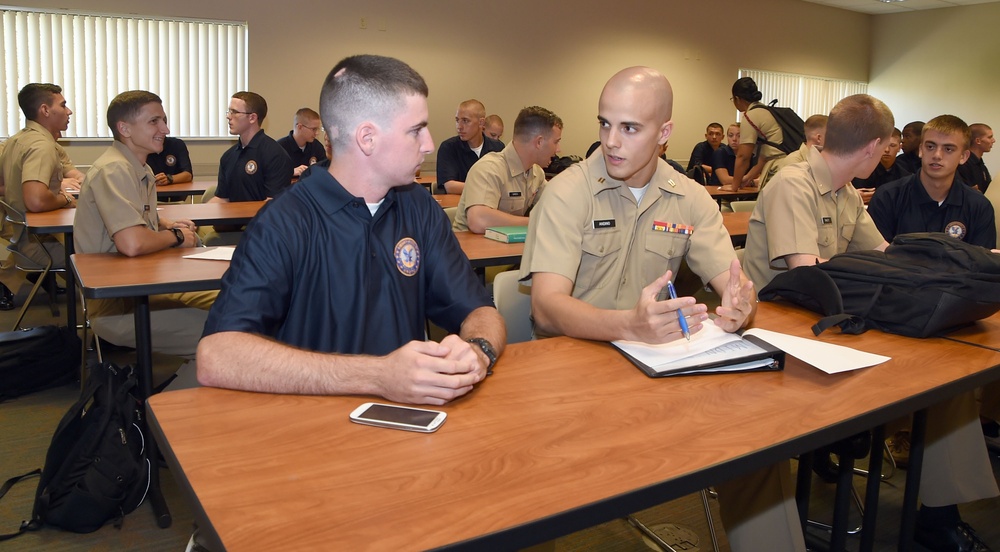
x=305, y=114
x=854, y=122
x=126, y=107
x=34, y=95
x=534, y=120
x=365, y=88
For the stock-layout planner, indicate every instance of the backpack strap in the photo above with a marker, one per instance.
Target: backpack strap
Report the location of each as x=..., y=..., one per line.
x=761, y=138
x=28, y=525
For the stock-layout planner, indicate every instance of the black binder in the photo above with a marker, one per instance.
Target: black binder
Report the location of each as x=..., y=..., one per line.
x=767, y=359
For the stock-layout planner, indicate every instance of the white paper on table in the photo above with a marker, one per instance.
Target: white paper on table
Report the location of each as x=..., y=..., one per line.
x=224, y=253
x=827, y=357
x=711, y=344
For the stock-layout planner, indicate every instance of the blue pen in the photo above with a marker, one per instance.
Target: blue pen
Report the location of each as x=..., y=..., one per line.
x=680, y=316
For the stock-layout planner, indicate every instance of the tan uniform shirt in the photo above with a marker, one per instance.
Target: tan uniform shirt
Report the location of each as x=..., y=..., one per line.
x=771, y=130
x=119, y=192
x=31, y=154
x=796, y=156
x=588, y=228
x=799, y=213
x=499, y=181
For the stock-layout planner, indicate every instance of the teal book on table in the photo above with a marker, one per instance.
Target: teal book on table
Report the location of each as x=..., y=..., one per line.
x=507, y=234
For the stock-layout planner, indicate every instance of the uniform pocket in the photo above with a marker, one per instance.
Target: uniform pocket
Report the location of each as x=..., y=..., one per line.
x=600, y=255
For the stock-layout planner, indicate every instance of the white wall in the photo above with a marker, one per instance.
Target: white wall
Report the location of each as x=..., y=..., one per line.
x=522, y=52
x=931, y=62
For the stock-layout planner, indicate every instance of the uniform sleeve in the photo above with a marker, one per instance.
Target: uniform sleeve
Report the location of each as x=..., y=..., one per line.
x=256, y=290
x=985, y=231
x=560, y=216
x=110, y=186
x=447, y=164
x=880, y=208
x=711, y=249
x=41, y=163
x=453, y=289
x=278, y=171
x=222, y=187
x=699, y=156
x=484, y=184
x=791, y=225
x=866, y=234
x=183, y=158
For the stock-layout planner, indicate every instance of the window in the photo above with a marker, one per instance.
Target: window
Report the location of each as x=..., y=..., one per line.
x=195, y=66
x=804, y=94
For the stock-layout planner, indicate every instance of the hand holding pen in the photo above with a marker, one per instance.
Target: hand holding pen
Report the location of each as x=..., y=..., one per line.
x=658, y=318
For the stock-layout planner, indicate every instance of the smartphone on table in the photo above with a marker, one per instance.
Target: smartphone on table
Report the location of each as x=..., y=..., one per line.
x=398, y=417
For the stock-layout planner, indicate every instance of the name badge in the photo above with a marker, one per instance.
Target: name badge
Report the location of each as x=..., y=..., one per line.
x=609, y=223
x=827, y=220
x=513, y=194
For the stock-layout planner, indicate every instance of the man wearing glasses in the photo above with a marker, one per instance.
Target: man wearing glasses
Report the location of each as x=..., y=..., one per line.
x=301, y=144
x=256, y=167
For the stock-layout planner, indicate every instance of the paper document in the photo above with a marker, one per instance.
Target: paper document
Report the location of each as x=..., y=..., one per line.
x=213, y=253
x=827, y=357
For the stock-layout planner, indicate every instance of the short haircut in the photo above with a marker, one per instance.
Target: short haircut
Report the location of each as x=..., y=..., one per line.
x=855, y=121
x=815, y=123
x=362, y=88
x=897, y=134
x=34, y=95
x=948, y=124
x=305, y=114
x=126, y=107
x=979, y=130
x=914, y=127
x=715, y=125
x=476, y=106
x=255, y=104
x=731, y=125
x=534, y=120
x=494, y=119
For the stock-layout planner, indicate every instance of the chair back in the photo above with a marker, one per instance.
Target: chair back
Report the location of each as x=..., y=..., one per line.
x=513, y=301
x=20, y=239
x=209, y=194
x=451, y=212
x=742, y=206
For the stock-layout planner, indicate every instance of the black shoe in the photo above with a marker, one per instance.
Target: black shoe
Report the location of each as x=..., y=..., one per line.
x=960, y=538
x=6, y=298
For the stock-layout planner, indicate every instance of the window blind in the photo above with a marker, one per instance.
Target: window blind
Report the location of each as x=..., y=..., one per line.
x=805, y=94
x=194, y=66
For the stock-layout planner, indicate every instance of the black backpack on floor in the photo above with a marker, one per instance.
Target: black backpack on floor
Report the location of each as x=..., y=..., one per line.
x=36, y=359
x=924, y=284
x=96, y=469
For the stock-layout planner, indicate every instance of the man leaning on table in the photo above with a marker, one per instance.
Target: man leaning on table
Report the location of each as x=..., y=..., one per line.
x=810, y=212
x=503, y=186
x=330, y=288
x=607, y=236
x=116, y=213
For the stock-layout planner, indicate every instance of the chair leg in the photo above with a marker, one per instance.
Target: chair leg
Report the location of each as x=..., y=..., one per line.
x=709, y=521
x=27, y=302
x=634, y=522
x=50, y=288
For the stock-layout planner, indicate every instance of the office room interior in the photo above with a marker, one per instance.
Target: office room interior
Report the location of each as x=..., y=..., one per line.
x=559, y=54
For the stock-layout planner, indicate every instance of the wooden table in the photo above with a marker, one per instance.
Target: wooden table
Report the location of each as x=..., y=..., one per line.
x=447, y=200
x=984, y=333
x=737, y=224
x=196, y=187
x=744, y=194
x=483, y=252
x=565, y=435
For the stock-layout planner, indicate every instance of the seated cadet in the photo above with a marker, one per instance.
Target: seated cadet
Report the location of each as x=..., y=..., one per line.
x=974, y=172
x=173, y=164
x=301, y=144
x=366, y=258
x=457, y=154
x=929, y=201
x=494, y=127
x=596, y=263
x=909, y=142
x=33, y=168
x=757, y=128
x=503, y=186
x=702, y=153
x=784, y=234
x=815, y=127
x=886, y=171
x=117, y=213
x=724, y=158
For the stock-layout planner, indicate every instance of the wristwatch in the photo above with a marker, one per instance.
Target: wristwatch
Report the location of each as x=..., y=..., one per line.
x=179, y=235
x=487, y=349
x=170, y=179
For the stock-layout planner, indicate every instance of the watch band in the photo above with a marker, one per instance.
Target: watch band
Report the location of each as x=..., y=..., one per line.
x=488, y=350
x=179, y=235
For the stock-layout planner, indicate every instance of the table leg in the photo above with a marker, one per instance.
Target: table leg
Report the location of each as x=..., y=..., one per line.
x=871, y=490
x=908, y=524
x=70, y=284
x=144, y=359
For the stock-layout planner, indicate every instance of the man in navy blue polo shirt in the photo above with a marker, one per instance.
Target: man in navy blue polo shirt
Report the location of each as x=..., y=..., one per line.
x=929, y=201
x=302, y=144
x=457, y=154
x=256, y=167
x=333, y=281
x=173, y=164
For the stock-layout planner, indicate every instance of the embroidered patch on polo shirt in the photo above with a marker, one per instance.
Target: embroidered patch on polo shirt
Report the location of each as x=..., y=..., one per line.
x=251, y=167
x=955, y=229
x=407, y=256
x=171, y=160
x=672, y=227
